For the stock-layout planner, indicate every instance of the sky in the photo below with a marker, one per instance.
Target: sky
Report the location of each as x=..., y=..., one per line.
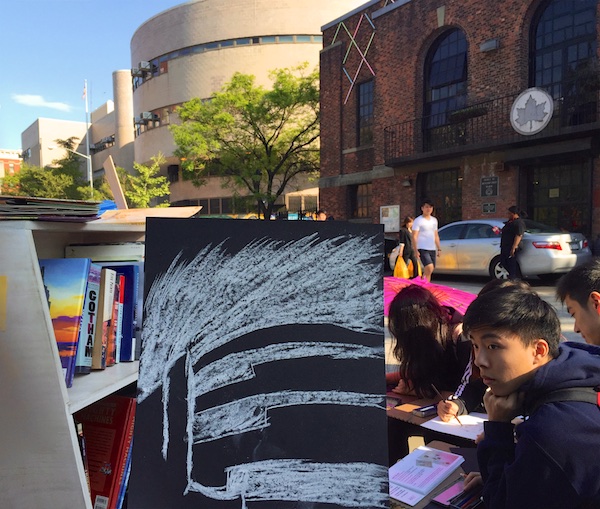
x=48, y=48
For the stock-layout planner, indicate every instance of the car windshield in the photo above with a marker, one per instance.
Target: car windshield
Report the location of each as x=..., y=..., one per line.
x=535, y=227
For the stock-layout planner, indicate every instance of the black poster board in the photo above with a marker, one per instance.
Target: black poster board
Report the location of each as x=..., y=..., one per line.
x=262, y=371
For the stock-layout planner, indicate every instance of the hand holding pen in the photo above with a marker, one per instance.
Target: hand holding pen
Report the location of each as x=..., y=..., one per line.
x=449, y=406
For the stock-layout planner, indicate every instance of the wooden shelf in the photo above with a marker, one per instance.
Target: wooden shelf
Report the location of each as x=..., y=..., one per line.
x=89, y=388
x=40, y=464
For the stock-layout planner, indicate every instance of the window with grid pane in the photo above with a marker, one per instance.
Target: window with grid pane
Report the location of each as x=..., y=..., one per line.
x=563, y=46
x=360, y=198
x=365, y=113
x=445, y=77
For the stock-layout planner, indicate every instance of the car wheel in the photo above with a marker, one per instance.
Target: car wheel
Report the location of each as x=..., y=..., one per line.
x=497, y=271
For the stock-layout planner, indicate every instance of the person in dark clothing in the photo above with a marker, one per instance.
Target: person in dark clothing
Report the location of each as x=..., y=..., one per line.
x=512, y=233
x=579, y=290
x=407, y=251
x=468, y=396
x=550, y=459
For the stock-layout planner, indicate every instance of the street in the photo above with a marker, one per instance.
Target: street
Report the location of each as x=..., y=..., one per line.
x=544, y=289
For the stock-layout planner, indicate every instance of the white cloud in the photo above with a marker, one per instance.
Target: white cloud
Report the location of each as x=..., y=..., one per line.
x=38, y=100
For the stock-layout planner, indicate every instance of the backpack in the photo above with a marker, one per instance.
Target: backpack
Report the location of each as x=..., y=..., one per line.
x=585, y=394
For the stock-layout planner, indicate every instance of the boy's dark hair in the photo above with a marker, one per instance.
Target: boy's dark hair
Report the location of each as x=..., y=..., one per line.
x=516, y=310
x=427, y=201
x=580, y=282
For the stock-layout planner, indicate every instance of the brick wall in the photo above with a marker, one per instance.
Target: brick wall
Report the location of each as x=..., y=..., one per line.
x=404, y=34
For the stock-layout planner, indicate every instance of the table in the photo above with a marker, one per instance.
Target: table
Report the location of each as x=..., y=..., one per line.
x=402, y=424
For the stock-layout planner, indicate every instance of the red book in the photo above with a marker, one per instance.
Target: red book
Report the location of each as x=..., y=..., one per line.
x=108, y=432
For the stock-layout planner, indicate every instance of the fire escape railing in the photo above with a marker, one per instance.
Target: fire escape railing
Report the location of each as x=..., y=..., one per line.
x=482, y=126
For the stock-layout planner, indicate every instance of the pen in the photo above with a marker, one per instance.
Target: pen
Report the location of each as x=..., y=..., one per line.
x=444, y=399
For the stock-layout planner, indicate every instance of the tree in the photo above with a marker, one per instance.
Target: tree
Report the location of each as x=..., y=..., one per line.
x=35, y=181
x=257, y=139
x=141, y=188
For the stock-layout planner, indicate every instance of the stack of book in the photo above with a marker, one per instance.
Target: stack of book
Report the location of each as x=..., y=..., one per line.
x=107, y=434
x=51, y=209
x=415, y=476
x=96, y=311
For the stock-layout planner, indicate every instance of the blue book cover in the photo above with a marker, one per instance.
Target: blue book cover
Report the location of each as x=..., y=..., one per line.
x=65, y=283
x=83, y=363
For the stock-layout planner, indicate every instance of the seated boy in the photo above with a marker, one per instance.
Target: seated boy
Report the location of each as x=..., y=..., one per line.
x=579, y=290
x=550, y=459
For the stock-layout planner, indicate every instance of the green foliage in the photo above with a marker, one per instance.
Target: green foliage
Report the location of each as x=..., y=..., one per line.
x=63, y=180
x=144, y=186
x=38, y=182
x=257, y=139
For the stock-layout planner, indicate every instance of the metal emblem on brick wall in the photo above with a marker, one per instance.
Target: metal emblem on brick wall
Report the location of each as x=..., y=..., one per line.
x=531, y=111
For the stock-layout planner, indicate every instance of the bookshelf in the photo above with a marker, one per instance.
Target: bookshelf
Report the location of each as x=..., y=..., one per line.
x=40, y=464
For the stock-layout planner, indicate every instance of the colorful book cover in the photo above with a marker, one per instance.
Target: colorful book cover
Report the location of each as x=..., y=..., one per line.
x=65, y=282
x=83, y=364
x=108, y=431
x=105, y=309
x=132, y=307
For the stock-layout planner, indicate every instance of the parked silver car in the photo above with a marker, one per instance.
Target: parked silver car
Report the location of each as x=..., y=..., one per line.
x=473, y=247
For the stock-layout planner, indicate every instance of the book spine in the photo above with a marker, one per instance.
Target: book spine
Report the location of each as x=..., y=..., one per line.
x=124, y=456
x=111, y=353
x=105, y=306
x=83, y=363
x=119, y=339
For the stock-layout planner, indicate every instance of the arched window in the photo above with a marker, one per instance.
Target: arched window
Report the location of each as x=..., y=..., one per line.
x=563, y=55
x=445, y=78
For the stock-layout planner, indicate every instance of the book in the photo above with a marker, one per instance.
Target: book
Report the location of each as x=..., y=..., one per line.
x=454, y=497
x=113, y=333
x=124, y=479
x=65, y=282
x=105, y=308
x=121, y=303
x=27, y=207
x=83, y=361
x=107, y=252
x=82, y=450
x=420, y=472
x=108, y=431
x=132, y=305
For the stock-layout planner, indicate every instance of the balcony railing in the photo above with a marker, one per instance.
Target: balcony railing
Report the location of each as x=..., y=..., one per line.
x=483, y=126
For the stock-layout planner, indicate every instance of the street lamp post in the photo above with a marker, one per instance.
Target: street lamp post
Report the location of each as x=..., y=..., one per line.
x=90, y=174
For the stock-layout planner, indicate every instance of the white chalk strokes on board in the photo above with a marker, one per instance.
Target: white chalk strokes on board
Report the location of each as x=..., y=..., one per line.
x=198, y=306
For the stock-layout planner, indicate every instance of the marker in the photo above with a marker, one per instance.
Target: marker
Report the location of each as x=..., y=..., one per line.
x=444, y=399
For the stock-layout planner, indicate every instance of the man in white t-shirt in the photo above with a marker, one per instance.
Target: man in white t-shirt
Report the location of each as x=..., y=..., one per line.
x=426, y=238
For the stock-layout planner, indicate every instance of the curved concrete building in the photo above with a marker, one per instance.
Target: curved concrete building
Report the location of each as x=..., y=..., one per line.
x=193, y=49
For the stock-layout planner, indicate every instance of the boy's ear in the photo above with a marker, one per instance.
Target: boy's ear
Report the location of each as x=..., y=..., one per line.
x=541, y=348
x=595, y=298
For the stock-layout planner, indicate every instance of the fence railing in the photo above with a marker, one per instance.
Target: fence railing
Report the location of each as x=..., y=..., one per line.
x=484, y=125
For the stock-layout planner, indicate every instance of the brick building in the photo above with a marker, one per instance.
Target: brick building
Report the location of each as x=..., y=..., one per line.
x=426, y=98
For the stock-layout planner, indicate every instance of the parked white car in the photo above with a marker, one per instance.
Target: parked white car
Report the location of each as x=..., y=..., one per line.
x=473, y=248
